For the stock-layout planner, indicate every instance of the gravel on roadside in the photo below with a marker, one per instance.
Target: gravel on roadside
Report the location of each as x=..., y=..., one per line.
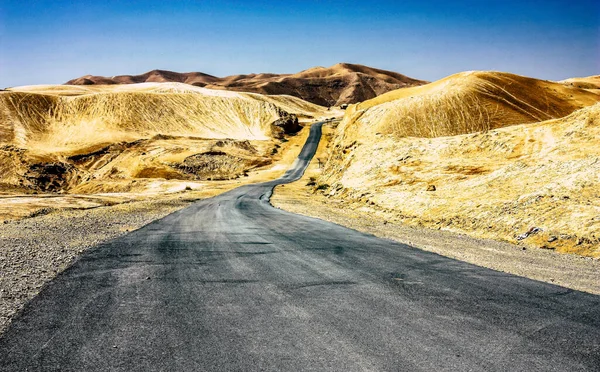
x=35, y=250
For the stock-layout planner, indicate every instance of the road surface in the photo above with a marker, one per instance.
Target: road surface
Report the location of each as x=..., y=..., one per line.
x=233, y=284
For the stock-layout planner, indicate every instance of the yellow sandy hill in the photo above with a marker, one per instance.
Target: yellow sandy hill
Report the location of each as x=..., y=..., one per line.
x=59, y=118
x=467, y=102
x=62, y=138
x=497, y=183
x=591, y=83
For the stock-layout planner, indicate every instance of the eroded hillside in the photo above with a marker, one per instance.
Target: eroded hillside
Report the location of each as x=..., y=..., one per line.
x=457, y=155
x=123, y=138
x=464, y=103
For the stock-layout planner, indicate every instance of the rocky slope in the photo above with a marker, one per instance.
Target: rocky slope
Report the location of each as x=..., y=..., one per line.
x=333, y=86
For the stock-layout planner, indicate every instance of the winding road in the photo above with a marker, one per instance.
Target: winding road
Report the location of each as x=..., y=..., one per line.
x=233, y=284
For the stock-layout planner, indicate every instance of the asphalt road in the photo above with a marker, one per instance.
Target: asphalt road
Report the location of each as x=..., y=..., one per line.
x=233, y=284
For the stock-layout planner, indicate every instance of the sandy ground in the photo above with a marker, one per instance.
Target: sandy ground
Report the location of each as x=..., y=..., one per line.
x=42, y=235
x=568, y=270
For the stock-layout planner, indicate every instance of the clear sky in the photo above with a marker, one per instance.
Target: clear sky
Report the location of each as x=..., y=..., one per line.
x=47, y=42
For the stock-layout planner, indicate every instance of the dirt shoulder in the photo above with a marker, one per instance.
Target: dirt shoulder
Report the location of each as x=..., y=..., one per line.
x=568, y=270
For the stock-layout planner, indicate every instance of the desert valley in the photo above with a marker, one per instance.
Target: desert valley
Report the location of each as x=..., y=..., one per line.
x=431, y=154
x=491, y=168
x=487, y=154
x=299, y=186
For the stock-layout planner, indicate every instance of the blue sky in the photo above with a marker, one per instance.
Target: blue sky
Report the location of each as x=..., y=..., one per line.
x=47, y=42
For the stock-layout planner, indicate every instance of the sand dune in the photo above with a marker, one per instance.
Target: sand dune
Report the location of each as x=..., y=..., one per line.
x=336, y=85
x=499, y=180
x=57, y=118
x=467, y=102
x=56, y=138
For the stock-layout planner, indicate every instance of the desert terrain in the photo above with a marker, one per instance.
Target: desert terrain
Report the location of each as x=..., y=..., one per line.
x=492, y=155
x=339, y=84
x=591, y=83
x=142, y=138
x=81, y=165
x=299, y=186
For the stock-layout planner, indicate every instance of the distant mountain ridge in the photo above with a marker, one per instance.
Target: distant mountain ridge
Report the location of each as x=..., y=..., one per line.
x=326, y=86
